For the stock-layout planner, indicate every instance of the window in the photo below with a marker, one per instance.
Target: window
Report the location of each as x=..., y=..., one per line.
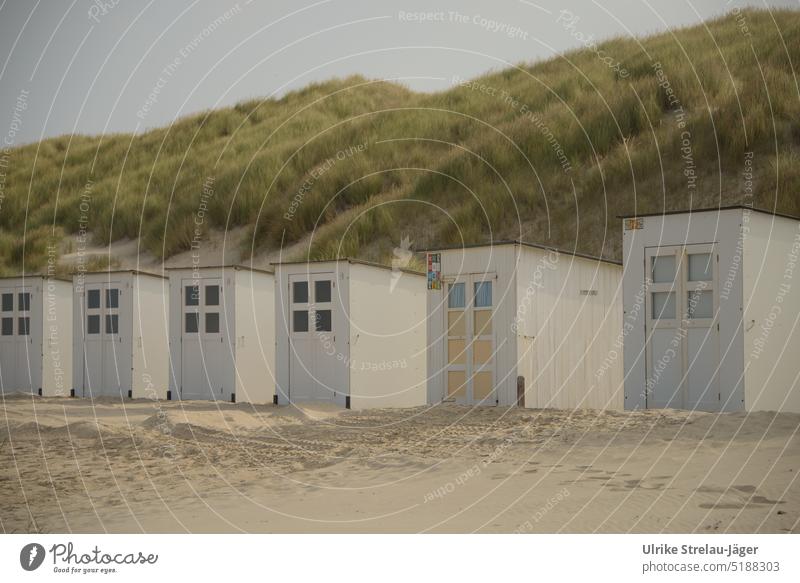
x=112, y=324
x=8, y=302
x=700, y=304
x=24, y=301
x=323, y=321
x=93, y=323
x=8, y=326
x=24, y=326
x=456, y=298
x=93, y=299
x=300, y=321
x=663, y=305
x=112, y=298
x=191, y=322
x=212, y=295
x=483, y=294
x=191, y=295
x=701, y=267
x=300, y=292
x=664, y=269
x=322, y=291
x=212, y=323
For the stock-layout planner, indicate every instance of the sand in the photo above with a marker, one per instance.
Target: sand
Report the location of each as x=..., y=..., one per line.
x=72, y=466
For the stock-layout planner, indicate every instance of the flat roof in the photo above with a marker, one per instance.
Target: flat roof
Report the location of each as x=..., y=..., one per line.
x=354, y=261
x=116, y=271
x=710, y=210
x=235, y=266
x=35, y=276
x=523, y=244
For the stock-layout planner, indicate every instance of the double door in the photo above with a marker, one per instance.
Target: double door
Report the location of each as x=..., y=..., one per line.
x=106, y=366
x=682, y=327
x=470, y=341
x=18, y=355
x=207, y=354
x=315, y=359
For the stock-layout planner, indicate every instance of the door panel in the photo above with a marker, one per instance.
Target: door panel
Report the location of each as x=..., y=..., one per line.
x=9, y=341
x=104, y=363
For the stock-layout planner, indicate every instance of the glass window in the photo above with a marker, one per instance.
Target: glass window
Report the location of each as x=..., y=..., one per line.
x=456, y=298
x=483, y=294
x=701, y=267
x=212, y=323
x=93, y=323
x=300, y=321
x=112, y=298
x=24, y=326
x=700, y=304
x=664, y=269
x=112, y=324
x=300, y=292
x=191, y=295
x=191, y=321
x=212, y=295
x=24, y=301
x=663, y=305
x=323, y=321
x=93, y=299
x=8, y=302
x=322, y=291
x=8, y=326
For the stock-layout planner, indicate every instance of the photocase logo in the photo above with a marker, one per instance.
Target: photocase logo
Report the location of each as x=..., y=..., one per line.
x=31, y=556
x=402, y=257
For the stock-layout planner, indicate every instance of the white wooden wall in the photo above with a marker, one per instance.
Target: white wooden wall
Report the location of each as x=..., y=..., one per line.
x=150, y=345
x=255, y=336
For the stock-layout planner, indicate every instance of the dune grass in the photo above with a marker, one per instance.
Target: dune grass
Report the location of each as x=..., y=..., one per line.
x=549, y=152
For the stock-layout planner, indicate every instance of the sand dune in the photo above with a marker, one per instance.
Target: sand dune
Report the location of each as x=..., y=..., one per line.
x=74, y=466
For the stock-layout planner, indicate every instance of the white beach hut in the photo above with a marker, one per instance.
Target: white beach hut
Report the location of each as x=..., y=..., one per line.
x=36, y=335
x=222, y=334
x=120, y=334
x=515, y=323
x=712, y=309
x=351, y=333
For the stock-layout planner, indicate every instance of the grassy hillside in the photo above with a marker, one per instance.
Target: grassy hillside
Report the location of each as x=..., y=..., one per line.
x=549, y=152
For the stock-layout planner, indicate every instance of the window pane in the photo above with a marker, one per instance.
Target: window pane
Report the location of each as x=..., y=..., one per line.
x=212, y=323
x=322, y=291
x=456, y=324
x=192, y=295
x=456, y=352
x=24, y=301
x=663, y=305
x=93, y=299
x=664, y=269
x=8, y=326
x=24, y=326
x=483, y=294
x=481, y=351
x=300, y=292
x=300, y=321
x=112, y=298
x=212, y=295
x=700, y=304
x=192, y=320
x=700, y=267
x=93, y=323
x=456, y=297
x=323, y=321
x=8, y=302
x=112, y=324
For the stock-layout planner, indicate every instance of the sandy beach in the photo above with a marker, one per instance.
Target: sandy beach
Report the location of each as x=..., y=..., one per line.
x=70, y=465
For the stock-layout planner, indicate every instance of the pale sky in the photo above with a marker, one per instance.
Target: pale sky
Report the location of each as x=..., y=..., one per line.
x=104, y=66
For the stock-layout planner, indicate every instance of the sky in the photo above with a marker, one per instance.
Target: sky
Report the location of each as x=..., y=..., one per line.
x=107, y=66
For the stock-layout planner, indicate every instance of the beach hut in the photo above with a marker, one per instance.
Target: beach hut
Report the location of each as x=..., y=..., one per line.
x=120, y=334
x=222, y=334
x=516, y=323
x=712, y=301
x=350, y=333
x=36, y=335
